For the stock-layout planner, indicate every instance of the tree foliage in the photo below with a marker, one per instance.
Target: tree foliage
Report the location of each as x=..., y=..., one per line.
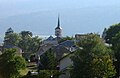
x=111, y=32
x=48, y=65
x=113, y=37
x=92, y=59
x=48, y=60
x=12, y=39
x=116, y=49
x=24, y=40
x=66, y=38
x=26, y=34
x=28, y=43
x=11, y=64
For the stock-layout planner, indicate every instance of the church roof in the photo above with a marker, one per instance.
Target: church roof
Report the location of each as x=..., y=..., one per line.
x=68, y=43
x=50, y=38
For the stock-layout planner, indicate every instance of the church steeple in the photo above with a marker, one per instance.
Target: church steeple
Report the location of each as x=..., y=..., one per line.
x=58, y=29
x=58, y=25
x=58, y=22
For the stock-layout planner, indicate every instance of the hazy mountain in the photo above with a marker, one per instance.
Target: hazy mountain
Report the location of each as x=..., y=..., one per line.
x=79, y=20
x=1, y=40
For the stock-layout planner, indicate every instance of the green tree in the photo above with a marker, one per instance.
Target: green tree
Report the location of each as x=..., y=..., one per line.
x=49, y=74
x=65, y=39
x=48, y=60
x=93, y=59
x=48, y=65
x=12, y=39
x=112, y=37
x=111, y=32
x=23, y=40
x=116, y=48
x=28, y=43
x=24, y=44
x=11, y=64
x=26, y=34
x=35, y=44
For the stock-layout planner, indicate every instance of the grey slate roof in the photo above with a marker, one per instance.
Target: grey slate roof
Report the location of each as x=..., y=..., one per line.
x=8, y=46
x=68, y=43
x=50, y=38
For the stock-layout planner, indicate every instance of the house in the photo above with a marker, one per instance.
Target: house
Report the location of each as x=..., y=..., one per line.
x=65, y=64
x=63, y=48
x=64, y=51
x=46, y=45
x=82, y=36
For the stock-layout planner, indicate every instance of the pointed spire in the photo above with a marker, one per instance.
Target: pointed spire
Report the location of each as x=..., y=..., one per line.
x=58, y=29
x=58, y=22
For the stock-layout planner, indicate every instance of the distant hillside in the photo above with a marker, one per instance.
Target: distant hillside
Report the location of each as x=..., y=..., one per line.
x=80, y=20
x=1, y=40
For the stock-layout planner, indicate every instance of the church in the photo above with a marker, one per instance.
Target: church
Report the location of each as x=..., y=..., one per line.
x=52, y=42
x=62, y=50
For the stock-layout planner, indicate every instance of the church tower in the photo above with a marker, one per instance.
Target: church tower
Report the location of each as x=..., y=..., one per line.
x=58, y=29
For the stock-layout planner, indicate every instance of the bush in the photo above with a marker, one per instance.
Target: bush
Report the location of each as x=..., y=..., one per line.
x=31, y=76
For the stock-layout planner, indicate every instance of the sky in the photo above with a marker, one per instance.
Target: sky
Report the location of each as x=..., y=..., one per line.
x=15, y=7
x=40, y=16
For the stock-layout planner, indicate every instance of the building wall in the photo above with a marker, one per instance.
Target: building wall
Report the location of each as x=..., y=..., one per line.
x=60, y=51
x=64, y=64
